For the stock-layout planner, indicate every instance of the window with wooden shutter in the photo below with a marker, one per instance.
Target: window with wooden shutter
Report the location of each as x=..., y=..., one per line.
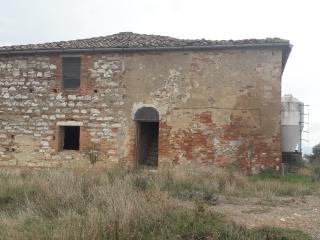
x=71, y=72
x=69, y=138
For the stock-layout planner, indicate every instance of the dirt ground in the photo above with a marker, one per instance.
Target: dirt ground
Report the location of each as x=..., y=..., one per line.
x=295, y=212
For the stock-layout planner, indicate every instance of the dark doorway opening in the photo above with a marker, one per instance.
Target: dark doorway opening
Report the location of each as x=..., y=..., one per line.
x=147, y=143
x=71, y=137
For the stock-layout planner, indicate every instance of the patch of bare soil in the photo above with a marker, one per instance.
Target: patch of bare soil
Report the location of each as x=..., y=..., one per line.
x=295, y=212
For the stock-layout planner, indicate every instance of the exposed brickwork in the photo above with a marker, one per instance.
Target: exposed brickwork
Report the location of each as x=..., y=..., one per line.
x=216, y=107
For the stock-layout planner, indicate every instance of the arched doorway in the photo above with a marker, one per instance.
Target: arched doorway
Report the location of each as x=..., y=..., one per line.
x=147, y=124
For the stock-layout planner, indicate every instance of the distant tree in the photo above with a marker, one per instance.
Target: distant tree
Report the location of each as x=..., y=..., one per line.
x=315, y=156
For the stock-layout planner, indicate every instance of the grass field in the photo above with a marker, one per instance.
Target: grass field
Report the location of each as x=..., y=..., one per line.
x=119, y=204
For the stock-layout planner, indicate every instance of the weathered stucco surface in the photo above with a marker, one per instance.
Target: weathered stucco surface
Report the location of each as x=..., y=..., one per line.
x=216, y=107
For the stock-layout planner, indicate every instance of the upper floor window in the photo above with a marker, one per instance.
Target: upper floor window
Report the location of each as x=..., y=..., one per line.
x=71, y=72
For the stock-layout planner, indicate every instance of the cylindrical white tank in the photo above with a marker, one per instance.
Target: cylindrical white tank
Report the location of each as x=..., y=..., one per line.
x=292, y=117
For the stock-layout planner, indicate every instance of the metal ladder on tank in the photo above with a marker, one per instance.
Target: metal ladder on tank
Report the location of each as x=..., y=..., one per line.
x=304, y=125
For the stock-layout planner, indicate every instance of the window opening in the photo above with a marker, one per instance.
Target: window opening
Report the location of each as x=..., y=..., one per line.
x=71, y=72
x=71, y=137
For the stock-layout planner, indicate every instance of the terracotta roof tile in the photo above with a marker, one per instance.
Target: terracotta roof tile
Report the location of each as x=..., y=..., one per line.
x=134, y=40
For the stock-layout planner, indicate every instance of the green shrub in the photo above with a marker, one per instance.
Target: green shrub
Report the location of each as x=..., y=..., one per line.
x=274, y=233
x=141, y=183
x=316, y=173
x=13, y=196
x=269, y=174
x=182, y=225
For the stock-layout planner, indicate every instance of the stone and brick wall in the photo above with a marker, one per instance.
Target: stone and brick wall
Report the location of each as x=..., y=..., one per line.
x=216, y=107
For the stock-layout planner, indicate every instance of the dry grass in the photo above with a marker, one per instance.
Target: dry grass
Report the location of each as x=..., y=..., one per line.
x=119, y=204
x=230, y=183
x=83, y=206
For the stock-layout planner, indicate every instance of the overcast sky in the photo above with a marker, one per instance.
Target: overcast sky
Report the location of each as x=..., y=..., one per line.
x=35, y=21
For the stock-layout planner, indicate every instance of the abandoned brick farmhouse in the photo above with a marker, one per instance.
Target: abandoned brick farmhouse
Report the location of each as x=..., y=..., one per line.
x=142, y=100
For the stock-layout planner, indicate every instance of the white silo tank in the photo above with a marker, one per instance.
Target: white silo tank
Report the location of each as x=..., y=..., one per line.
x=292, y=117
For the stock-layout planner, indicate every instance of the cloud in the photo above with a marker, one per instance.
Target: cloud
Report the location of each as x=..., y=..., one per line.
x=5, y=44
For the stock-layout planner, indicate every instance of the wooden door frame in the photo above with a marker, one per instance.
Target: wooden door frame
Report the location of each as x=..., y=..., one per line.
x=137, y=145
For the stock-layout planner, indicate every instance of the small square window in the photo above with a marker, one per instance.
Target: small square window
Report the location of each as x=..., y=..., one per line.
x=71, y=72
x=70, y=137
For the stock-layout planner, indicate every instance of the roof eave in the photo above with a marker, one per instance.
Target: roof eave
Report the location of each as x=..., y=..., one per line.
x=285, y=55
x=284, y=45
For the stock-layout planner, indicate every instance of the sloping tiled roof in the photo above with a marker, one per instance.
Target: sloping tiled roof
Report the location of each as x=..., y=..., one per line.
x=129, y=40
